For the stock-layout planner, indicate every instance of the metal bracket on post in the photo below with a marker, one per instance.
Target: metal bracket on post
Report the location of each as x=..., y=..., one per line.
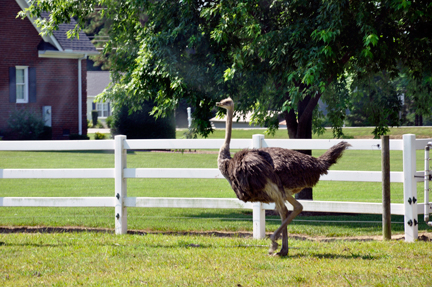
x=410, y=187
x=427, y=178
x=258, y=212
x=120, y=185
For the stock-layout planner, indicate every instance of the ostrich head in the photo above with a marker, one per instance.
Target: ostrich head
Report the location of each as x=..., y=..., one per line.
x=227, y=104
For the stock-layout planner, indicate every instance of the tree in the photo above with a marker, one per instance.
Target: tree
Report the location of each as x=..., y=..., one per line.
x=376, y=103
x=97, y=27
x=417, y=98
x=140, y=125
x=275, y=56
x=201, y=50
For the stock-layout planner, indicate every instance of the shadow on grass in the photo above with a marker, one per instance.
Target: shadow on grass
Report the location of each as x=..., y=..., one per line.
x=335, y=256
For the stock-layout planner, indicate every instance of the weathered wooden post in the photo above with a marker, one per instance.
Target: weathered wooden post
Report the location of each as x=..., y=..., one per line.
x=385, y=167
x=120, y=185
x=258, y=213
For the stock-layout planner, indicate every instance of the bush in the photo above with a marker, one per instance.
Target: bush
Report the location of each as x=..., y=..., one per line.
x=99, y=125
x=109, y=121
x=99, y=136
x=26, y=124
x=46, y=134
x=78, y=137
x=94, y=114
x=141, y=125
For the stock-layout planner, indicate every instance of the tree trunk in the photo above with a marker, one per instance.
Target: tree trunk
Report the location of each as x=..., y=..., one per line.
x=418, y=120
x=302, y=129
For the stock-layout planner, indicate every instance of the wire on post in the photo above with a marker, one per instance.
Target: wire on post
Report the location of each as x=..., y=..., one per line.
x=427, y=175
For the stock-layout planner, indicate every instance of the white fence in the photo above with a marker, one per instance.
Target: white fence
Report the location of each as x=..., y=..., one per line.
x=409, y=177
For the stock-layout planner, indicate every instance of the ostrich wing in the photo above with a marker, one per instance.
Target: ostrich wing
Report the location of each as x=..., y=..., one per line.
x=249, y=173
x=294, y=169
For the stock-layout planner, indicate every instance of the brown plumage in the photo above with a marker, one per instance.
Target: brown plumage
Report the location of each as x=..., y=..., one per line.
x=272, y=175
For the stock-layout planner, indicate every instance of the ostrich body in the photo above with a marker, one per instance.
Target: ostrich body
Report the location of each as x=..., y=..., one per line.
x=272, y=175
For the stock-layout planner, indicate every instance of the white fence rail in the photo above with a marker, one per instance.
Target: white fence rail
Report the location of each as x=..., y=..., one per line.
x=409, y=177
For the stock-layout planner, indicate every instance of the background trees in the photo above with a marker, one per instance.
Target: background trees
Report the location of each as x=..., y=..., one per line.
x=269, y=56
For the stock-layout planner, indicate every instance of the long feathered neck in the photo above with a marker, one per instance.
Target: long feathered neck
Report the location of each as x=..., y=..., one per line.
x=224, y=152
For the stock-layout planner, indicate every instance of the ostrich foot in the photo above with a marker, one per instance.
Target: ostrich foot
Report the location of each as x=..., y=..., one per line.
x=273, y=247
x=282, y=252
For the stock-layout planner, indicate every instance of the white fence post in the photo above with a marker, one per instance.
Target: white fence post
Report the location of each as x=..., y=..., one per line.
x=410, y=188
x=120, y=185
x=257, y=210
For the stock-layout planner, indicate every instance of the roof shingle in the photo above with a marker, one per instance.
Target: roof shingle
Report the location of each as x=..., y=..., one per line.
x=75, y=44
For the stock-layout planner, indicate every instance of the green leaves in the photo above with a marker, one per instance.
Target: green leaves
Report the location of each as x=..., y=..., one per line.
x=401, y=4
x=371, y=39
x=273, y=55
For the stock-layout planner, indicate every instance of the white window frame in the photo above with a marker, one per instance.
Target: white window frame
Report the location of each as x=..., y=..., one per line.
x=25, y=84
x=102, y=107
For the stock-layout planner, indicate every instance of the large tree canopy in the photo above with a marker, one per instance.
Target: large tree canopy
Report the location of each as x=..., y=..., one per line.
x=270, y=56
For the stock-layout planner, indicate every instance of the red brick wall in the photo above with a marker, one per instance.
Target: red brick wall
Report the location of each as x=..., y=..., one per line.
x=56, y=79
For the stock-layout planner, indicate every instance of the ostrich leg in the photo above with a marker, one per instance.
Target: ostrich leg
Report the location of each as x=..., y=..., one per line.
x=284, y=250
x=283, y=228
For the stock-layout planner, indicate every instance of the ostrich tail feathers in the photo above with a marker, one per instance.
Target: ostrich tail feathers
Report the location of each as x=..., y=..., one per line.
x=331, y=156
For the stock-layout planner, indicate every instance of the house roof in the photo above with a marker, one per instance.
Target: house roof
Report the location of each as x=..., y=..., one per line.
x=97, y=81
x=58, y=45
x=82, y=43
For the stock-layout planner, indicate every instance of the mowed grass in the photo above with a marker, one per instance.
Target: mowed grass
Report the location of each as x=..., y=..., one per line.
x=105, y=259
x=161, y=219
x=102, y=259
x=349, y=132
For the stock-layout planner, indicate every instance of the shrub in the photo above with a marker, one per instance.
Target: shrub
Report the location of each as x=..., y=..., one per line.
x=109, y=121
x=46, y=134
x=141, y=125
x=26, y=124
x=100, y=125
x=78, y=137
x=89, y=124
x=99, y=136
x=94, y=114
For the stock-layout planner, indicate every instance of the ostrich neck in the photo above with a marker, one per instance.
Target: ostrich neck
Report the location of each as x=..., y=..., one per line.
x=224, y=152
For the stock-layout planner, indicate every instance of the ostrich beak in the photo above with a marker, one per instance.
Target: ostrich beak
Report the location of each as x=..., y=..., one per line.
x=218, y=104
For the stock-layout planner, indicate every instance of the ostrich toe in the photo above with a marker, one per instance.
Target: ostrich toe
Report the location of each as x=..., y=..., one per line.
x=273, y=247
x=282, y=252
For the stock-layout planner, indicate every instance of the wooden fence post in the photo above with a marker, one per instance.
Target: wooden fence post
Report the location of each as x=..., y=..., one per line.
x=385, y=167
x=258, y=212
x=410, y=188
x=120, y=185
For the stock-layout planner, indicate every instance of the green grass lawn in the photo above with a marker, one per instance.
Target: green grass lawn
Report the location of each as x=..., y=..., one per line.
x=355, y=133
x=192, y=219
x=104, y=259
x=101, y=259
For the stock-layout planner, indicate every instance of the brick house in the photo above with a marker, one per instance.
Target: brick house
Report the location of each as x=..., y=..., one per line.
x=44, y=74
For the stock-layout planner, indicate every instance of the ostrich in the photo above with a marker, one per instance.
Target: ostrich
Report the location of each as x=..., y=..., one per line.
x=272, y=175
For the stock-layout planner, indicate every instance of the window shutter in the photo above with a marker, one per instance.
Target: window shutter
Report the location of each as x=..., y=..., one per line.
x=32, y=84
x=12, y=85
x=93, y=106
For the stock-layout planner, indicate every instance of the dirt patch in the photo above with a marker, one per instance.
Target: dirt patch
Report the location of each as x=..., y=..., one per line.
x=424, y=236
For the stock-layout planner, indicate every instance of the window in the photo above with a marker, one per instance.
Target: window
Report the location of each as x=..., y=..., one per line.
x=103, y=109
x=21, y=84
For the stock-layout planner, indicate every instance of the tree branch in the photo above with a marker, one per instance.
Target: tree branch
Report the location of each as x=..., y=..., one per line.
x=307, y=113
